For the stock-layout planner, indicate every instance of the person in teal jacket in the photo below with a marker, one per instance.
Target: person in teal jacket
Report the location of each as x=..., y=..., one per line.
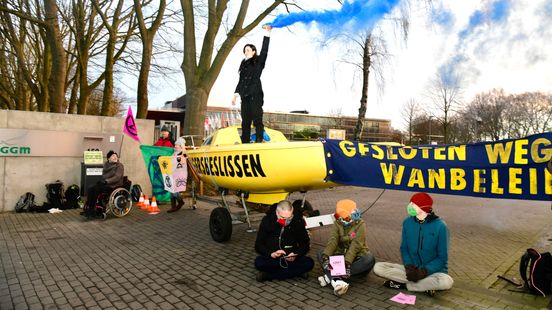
x=424, y=251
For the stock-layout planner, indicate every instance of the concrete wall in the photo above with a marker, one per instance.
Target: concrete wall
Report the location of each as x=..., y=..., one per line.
x=30, y=174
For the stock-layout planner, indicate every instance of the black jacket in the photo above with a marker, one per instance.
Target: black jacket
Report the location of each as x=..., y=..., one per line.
x=294, y=237
x=113, y=174
x=251, y=69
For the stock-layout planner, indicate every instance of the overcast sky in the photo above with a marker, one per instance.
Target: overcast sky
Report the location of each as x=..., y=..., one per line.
x=491, y=44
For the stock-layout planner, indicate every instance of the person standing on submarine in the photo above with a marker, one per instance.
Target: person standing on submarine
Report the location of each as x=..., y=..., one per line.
x=250, y=89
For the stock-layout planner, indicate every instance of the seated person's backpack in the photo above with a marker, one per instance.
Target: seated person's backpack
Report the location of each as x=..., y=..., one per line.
x=538, y=279
x=55, y=195
x=72, y=197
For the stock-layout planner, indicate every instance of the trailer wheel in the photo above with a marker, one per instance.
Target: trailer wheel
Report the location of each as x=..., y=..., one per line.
x=220, y=224
x=307, y=209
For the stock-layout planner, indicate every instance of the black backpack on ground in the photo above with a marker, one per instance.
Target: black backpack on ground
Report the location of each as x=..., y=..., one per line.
x=135, y=192
x=26, y=203
x=54, y=194
x=538, y=279
x=72, y=197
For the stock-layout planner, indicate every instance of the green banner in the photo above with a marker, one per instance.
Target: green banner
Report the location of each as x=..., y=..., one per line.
x=151, y=156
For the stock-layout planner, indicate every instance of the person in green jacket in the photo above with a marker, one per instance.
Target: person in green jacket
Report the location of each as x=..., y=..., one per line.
x=348, y=238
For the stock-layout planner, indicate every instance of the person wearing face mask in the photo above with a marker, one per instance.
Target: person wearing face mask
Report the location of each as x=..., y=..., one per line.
x=250, y=89
x=112, y=177
x=348, y=238
x=424, y=251
x=282, y=243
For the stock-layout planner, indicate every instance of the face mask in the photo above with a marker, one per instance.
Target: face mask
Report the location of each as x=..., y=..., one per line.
x=411, y=210
x=356, y=216
x=345, y=223
x=284, y=222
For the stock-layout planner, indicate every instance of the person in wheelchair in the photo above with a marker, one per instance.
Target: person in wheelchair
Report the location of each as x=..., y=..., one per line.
x=112, y=177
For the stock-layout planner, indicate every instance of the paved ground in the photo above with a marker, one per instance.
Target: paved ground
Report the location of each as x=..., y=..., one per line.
x=168, y=261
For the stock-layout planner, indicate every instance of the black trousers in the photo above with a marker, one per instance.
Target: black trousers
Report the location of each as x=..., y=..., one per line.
x=275, y=266
x=252, y=111
x=94, y=192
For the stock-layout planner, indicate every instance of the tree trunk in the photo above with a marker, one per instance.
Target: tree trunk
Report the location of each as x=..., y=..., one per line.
x=366, y=61
x=44, y=95
x=196, y=108
x=142, y=92
x=56, y=82
x=108, y=82
x=73, y=100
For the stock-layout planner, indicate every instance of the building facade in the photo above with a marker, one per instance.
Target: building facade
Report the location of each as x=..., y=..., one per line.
x=302, y=126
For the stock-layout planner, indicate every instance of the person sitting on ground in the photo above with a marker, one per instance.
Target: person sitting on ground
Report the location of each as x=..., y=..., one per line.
x=176, y=198
x=282, y=243
x=348, y=238
x=112, y=177
x=165, y=138
x=424, y=251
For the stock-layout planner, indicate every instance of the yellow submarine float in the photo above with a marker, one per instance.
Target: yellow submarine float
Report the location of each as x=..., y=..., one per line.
x=267, y=171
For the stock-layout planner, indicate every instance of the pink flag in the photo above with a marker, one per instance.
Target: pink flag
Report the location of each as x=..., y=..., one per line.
x=130, y=126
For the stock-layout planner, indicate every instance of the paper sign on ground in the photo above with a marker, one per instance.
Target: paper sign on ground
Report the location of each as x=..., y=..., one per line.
x=404, y=299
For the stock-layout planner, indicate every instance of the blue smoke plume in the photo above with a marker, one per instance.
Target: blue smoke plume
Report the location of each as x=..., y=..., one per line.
x=357, y=14
x=495, y=13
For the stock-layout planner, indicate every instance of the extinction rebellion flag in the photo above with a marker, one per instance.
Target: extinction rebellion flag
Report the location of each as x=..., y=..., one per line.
x=514, y=169
x=130, y=126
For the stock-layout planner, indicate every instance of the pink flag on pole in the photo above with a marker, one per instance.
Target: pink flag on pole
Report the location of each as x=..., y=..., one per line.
x=130, y=126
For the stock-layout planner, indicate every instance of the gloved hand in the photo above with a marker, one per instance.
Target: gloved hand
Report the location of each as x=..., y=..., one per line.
x=411, y=272
x=422, y=273
x=325, y=262
x=418, y=274
x=347, y=270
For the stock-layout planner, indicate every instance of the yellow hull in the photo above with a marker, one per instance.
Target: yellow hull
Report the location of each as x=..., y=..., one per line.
x=267, y=171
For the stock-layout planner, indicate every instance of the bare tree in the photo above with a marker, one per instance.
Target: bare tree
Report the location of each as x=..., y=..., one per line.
x=486, y=114
x=83, y=24
x=27, y=64
x=113, y=20
x=445, y=92
x=528, y=113
x=374, y=55
x=409, y=113
x=146, y=35
x=202, y=69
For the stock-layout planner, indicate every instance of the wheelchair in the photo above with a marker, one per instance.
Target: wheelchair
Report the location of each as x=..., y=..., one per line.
x=117, y=201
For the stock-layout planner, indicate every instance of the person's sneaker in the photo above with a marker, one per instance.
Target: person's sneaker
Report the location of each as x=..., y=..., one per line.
x=393, y=284
x=323, y=280
x=305, y=276
x=262, y=276
x=340, y=287
x=431, y=293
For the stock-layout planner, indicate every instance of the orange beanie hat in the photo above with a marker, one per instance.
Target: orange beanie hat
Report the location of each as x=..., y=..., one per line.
x=344, y=208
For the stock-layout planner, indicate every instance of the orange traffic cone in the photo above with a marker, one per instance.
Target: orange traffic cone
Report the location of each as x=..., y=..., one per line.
x=146, y=205
x=154, y=209
x=140, y=202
